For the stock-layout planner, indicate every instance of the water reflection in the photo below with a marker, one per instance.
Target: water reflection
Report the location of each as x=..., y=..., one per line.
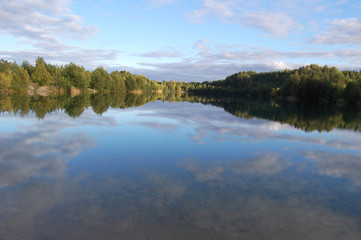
x=337, y=164
x=42, y=149
x=306, y=117
x=172, y=170
x=251, y=201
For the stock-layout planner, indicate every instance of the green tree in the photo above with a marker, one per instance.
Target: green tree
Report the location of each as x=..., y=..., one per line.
x=5, y=80
x=118, y=83
x=100, y=80
x=131, y=83
x=28, y=67
x=20, y=80
x=41, y=75
x=6, y=75
x=141, y=81
x=76, y=75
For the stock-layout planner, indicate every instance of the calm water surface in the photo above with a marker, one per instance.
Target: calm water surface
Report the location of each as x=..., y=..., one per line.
x=175, y=171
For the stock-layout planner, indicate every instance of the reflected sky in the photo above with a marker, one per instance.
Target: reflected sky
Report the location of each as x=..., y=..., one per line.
x=175, y=171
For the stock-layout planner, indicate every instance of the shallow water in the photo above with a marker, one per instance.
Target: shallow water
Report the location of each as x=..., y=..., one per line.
x=175, y=171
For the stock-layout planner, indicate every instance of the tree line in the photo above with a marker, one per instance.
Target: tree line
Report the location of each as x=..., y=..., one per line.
x=18, y=78
x=310, y=83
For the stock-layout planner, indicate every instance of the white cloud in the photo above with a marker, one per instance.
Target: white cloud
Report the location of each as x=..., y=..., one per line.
x=219, y=9
x=341, y=2
x=341, y=31
x=167, y=53
x=158, y=3
x=41, y=20
x=276, y=24
x=279, y=18
x=213, y=62
x=206, y=71
x=44, y=26
x=89, y=58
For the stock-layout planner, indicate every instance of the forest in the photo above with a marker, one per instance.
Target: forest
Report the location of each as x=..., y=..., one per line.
x=310, y=83
x=307, y=84
x=16, y=78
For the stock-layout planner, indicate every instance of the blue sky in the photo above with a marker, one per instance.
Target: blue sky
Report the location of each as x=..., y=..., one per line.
x=183, y=40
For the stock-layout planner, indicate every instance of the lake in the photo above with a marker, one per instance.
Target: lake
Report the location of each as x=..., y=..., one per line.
x=177, y=167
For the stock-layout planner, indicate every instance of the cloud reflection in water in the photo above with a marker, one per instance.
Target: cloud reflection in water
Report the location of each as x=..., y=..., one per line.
x=338, y=165
x=249, y=195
